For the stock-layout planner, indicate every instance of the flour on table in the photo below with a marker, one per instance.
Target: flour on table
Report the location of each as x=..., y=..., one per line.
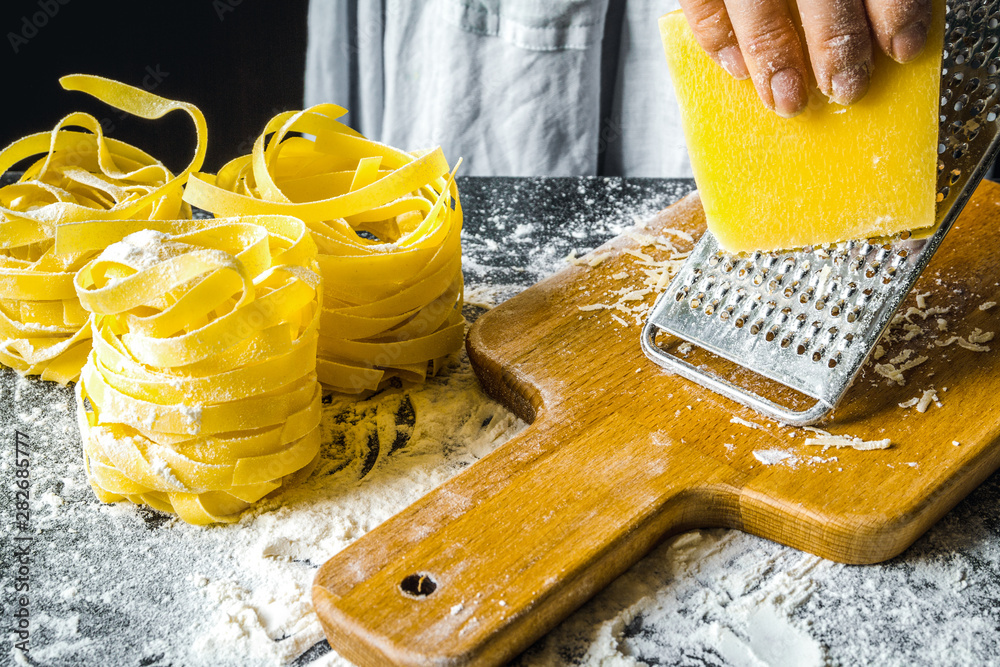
x=239, y=595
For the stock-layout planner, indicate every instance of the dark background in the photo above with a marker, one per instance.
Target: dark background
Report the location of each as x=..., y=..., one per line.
x=239, y=61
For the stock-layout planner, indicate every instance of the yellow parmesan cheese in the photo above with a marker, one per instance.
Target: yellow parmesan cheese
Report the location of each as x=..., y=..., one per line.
x=829, y=174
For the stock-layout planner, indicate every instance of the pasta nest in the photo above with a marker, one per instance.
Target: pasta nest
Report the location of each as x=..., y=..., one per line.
x=78, y=174
x=387, y=225
x=200, y=394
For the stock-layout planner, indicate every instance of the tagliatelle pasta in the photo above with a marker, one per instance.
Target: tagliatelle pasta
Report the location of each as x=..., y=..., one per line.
x=200, y=394
x=79, y=174
x=387, y=225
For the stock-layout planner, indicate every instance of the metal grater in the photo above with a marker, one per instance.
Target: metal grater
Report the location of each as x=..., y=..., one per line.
x=808, y=319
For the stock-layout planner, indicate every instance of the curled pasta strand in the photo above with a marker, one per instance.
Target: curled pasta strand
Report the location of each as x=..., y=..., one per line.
x=387, y=224
x=77, y=174
x=202, y=405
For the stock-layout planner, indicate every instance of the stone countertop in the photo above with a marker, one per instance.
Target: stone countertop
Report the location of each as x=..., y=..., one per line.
x=110, y=584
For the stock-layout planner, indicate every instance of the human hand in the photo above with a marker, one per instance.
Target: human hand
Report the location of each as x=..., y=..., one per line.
x=758, y=39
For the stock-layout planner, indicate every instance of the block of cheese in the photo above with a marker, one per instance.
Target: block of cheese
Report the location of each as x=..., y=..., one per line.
x=830, y=174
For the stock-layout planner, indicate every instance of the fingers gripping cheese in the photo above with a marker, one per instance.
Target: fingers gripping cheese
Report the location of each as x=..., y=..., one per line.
x=200, y=394
x=78, y=174
x=387, y=225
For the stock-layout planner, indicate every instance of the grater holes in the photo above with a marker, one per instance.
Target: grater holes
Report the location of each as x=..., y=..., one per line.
x=943, y=194
x=818, y=354
x=993, y=113
x=953, y=177
x=772, y=333
x=756, y=327
x=834, y=361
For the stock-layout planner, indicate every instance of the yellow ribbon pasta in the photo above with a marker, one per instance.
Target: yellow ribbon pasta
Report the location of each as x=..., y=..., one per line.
x=200, y=394
x=79, y=174
x=387, y=225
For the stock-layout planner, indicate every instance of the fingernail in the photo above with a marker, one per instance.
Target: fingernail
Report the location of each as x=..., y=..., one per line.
x=731, y=59
x=789, y=92
x=909, y=42
x=849, y=85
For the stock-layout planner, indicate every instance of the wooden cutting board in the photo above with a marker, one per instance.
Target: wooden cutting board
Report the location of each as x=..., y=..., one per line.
x=620, y=454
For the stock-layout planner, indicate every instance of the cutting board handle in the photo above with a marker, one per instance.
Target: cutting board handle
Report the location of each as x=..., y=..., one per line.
x=477, y=570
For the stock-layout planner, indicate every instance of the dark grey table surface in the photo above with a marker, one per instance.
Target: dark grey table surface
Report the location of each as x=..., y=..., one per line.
x=116, y=586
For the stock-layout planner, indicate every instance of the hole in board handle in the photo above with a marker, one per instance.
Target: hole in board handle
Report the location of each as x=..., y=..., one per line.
x=418, y=585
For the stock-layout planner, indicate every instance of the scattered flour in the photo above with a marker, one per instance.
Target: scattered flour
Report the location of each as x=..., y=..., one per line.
x=239, y=595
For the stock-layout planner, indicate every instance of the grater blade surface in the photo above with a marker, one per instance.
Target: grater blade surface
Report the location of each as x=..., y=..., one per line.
x=809, y=318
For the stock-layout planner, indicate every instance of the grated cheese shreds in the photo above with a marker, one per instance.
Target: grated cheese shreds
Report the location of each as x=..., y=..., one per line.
x=987, y=305
x=980, y=336
x=966, y=344
x=594, y=306
x=679, y=234
x=744, y=422
x=930, y=396
x=910, y=403
x=640, y=255
x=894, y=373
x=591, y=261
x=841, y=441
x=901, y=357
